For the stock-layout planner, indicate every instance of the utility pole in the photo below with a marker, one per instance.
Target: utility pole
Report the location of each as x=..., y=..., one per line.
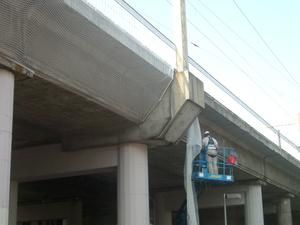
x=182, y=89
x=182, y=65
x=225, y=208
x=182, y=77
x=279, y=138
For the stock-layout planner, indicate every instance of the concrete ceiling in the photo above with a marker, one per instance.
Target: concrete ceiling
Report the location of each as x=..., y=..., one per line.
x=45, y=113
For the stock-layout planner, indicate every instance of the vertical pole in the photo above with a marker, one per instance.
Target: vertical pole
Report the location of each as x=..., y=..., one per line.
x=225, y=209
x=181, y=37
x=6, y=117
x=279, y=138
x=181, y=81
x=224, y=161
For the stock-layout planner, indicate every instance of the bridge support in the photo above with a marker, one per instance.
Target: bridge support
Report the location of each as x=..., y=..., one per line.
x=254, y=214
x=284, y=212
x=133, y=190
x=6, y=115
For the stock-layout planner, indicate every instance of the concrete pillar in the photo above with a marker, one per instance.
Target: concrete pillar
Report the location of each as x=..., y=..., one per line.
x=163, y=216
x=254, y=214
x=13, y=203
x=133, y=194
x=6, y=114
x=284, y=212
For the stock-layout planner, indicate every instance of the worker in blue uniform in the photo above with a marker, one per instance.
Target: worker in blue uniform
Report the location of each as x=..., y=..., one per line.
x=211, y=146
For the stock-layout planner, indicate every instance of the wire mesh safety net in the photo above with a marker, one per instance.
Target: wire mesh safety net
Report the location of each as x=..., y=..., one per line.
x=193, y=148
x=71, y=43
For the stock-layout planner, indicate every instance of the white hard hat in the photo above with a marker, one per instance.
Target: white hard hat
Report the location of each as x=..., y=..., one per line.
x=206, y=132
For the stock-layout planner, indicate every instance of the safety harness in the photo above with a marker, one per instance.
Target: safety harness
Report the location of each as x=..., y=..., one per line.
x=211, y=148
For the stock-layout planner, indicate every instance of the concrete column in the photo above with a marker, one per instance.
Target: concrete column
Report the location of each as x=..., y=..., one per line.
x=284, y=212
x=6, y=114
x=133, y=194
x=13, y=203
x=163, y=216
x=254, y=214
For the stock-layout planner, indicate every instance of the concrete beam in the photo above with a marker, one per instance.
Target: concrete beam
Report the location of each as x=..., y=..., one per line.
x=210, y=198
x=50, y=161
x=187, y=101
x=167, y=123
x=256, y=154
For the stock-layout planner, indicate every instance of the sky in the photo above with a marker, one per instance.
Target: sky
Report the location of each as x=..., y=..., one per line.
x=266, y=76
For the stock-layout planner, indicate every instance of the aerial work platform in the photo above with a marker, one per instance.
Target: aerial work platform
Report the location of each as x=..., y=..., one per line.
x=226, y=160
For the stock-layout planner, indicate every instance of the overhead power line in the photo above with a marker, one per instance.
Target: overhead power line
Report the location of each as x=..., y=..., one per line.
x=265, y=43
x=242, y=70
x=239, y=36
x=167, y=41
x=286, y=124
x=230, y=59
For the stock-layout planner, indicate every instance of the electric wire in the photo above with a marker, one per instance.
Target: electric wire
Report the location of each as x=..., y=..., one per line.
x=238, y=66
x=239, y=37
x=242, y=39
x=265, y=43
x=195, y=64
x=230, y=59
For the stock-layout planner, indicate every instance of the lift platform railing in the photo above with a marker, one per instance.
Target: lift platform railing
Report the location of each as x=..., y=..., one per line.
x=227, y=159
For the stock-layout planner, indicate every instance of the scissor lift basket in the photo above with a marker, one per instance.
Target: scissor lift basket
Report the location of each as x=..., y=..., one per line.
x=227, y=159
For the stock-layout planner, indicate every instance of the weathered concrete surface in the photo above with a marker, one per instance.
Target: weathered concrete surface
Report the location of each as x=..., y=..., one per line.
x=45, y=113
x=72, y=45
x=46, y=162
x=230, y=130
x=123, y=81
x=165, y=124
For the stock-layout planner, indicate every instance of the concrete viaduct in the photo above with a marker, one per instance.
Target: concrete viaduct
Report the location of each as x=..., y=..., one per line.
x=92, y=129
